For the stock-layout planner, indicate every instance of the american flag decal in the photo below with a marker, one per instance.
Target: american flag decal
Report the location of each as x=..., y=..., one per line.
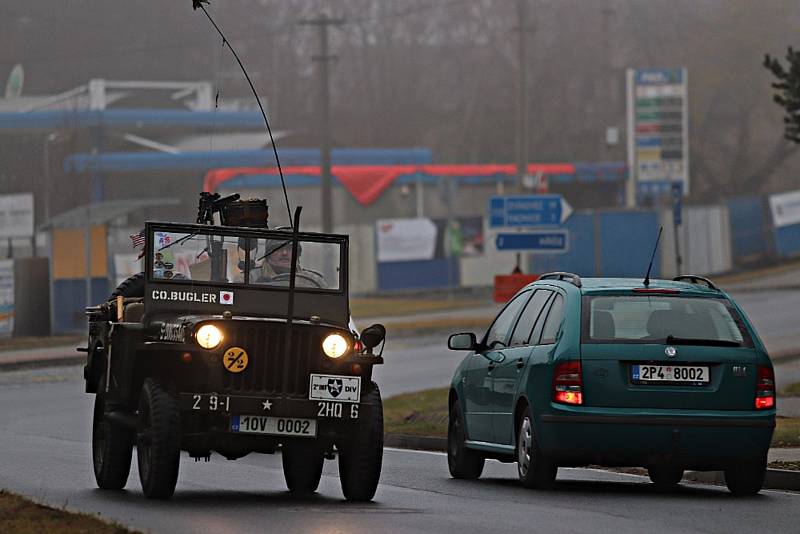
x=137, y=240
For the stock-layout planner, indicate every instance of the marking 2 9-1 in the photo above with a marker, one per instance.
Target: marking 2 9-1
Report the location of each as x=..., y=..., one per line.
x=335, y=410
x=216, y=403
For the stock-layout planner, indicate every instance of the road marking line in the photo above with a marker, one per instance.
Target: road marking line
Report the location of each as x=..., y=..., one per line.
x=395, y=449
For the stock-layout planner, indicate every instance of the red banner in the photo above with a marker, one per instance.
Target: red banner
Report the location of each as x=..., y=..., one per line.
x=367, y=182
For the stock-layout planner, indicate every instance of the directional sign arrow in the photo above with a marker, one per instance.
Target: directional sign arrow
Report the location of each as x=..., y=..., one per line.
x=566, y=210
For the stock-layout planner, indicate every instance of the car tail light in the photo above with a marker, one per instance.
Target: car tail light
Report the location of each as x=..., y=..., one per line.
x=568, y=383
x=765, y=388
x=656, y=291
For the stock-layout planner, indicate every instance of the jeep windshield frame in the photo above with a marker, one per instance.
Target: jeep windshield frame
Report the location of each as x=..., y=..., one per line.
x=199, y=284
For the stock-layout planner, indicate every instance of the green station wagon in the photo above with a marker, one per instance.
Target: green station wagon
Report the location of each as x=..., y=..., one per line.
x=666, y=375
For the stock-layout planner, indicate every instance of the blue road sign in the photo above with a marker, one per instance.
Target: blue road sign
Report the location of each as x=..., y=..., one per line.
x=528, y=211
x=542, y=241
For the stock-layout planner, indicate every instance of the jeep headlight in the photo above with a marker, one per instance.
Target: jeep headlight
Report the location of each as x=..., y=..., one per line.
x=208, y=336
x=334, y=345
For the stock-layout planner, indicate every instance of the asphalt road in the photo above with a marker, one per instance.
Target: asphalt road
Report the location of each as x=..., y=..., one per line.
x=45, y=451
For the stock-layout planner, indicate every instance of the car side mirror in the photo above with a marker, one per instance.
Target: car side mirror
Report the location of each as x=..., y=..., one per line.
x=372, y=336
x=466, y=341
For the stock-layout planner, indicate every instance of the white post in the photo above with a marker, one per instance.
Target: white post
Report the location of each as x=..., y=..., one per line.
x=630, y=184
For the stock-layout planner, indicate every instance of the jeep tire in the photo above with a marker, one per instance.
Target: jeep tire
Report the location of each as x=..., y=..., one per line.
x=158, y=440
x=112, y=449
x=361, y=455
x=302, y=466
x=462, y=462
x=133, y=286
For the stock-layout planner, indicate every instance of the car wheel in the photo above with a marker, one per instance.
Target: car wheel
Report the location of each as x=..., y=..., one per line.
x=158, y=441
x=361, y=455
x=665, y=476
x=302, y=467
x=746, y=478
x=463, y=462
x=534, y=468
x=112, y=448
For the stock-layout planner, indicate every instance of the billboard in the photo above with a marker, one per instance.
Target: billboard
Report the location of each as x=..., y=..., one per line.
x=658, y=129
x=405, y=239
x=16, y=215
x=785, y=208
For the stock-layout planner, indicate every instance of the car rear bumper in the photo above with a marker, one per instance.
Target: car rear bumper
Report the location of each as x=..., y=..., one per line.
x=695, y=439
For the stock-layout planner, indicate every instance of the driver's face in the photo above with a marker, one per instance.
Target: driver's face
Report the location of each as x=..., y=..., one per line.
x=281, y=259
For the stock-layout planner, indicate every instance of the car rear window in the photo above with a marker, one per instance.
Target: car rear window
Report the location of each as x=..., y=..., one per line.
x=654, y=318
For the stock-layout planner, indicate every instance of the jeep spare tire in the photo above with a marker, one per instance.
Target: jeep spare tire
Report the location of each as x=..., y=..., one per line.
x=130, y=288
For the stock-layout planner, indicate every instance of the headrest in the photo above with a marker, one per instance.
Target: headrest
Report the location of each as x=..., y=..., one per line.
x=604, y=327
x=663, y=323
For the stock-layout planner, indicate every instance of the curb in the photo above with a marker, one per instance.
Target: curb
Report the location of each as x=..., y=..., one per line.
x=779, y=479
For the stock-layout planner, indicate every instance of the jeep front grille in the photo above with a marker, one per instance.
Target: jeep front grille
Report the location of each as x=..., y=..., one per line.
x=267, y=361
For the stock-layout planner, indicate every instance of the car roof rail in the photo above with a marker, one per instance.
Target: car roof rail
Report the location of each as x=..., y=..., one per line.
x=573, y=278
x=697, y=280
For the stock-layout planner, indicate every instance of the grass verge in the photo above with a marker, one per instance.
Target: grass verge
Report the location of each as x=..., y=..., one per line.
x=792, y=390
x=22, y=516
x=787, y=432
x=789, y=466
x=424, y=413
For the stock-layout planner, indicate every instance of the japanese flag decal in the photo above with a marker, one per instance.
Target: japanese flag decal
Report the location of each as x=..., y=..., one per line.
x=226, y=297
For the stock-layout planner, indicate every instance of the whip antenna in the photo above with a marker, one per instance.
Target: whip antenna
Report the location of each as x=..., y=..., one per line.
x=199, y=4
x=650, y=267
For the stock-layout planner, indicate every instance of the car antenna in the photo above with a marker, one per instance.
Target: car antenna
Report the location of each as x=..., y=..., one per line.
x=650, y=267
x=199, y=4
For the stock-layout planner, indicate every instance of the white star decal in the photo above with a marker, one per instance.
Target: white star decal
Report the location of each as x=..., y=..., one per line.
x=267, y=404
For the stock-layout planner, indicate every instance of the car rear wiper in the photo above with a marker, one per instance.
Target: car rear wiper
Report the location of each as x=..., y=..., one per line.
x=672, y=340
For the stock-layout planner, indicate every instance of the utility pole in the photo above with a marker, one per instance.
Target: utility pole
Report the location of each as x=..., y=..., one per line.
x=522, y=93
x=323, y=22
x=522, y=104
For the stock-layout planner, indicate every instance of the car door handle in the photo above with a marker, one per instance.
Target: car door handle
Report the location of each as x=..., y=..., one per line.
x=520, y=364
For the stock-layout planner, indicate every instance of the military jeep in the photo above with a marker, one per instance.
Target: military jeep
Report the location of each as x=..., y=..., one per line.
x=235, y=339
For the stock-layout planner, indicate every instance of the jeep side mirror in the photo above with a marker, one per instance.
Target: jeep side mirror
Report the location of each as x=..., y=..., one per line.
x=465, y=341
x=372, y=336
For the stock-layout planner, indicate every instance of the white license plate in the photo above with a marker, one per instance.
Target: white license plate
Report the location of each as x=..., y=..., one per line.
x=692, y=374
x=275, y=426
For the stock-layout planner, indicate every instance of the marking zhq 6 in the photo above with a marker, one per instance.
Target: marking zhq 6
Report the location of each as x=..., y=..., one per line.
x=235, y=339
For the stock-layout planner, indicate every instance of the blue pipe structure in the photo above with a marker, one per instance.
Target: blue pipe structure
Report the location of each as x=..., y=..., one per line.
x=194, y=161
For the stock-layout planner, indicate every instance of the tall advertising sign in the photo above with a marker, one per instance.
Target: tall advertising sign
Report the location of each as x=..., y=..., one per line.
x=658, y=131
